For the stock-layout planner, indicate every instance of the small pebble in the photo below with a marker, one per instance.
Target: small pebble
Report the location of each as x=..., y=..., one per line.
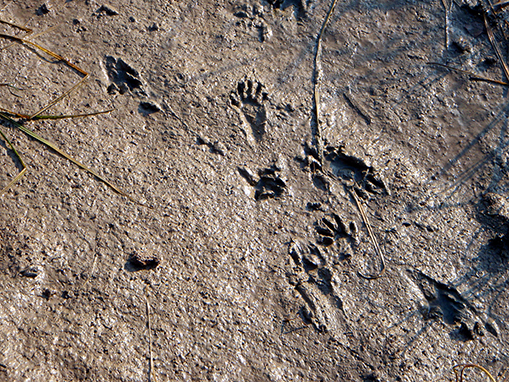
x=31, y=272
x=108, y=10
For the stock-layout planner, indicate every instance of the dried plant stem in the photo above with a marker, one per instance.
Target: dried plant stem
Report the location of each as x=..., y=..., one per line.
x=371, y=237
x=459, y=374
x=446, y=24
x=473, y=76
x=316, y=81
x=151, y=358
x=15, y=118
x=493, y=42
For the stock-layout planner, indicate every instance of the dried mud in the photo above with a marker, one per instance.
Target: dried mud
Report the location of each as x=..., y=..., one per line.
x=252, y=256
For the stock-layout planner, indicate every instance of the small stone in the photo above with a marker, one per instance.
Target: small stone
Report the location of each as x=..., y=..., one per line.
x=144, y=261
x=149, y=107
x=31, y=272
x=108, y=10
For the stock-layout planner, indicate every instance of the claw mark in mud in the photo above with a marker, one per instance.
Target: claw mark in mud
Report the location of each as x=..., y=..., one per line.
x=299, y=6
x=352, y=168
x=333, y=228
x=268, y=184
x=123, y=76
x=249, y=100
x=315, y=282
x=445, y=303
x=251, y=18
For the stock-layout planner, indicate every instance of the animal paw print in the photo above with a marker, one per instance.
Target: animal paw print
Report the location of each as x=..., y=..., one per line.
x=312, y=277
x=249, y=99
x=299, y=6
x=352, y=169
x=268, y=184
x=332, y=228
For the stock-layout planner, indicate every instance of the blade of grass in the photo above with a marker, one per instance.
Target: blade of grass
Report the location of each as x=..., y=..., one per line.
x=371, y=236
x=22, y=172
x=39, y=117
x=374, y=242
x=11, y=87
x=473, y=76
x=459, y=375
x=6, y=114
x=491, y=37
x=47, y=143
x=149, y=325
x=28, y=30
x=316, y=82
x=55, y=56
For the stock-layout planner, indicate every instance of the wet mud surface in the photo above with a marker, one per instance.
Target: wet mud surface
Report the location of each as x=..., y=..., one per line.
x=255, y=259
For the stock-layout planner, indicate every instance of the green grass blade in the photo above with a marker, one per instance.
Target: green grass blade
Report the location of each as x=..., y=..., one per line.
x=22, y=172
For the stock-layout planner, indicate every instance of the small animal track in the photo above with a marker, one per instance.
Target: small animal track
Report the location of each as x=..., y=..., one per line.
x=313, y=279
x=249, y=100
x=299, y=6
x=251, y=18
x=352, y=168
x=268, y=185
x=123, y=76
x=447, y=304
x=333, y=228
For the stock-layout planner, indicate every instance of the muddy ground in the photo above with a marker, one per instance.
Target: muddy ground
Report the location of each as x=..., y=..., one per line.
x=253, y=254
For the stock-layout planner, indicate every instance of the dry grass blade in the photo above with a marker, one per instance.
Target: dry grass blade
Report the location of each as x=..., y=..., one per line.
x=371, y=237
x=446, y=23
x=57, y=57
x=473, y=76
x=151, y=360
x=38, y=117
x=28, y=30
x=365, y=220
x=459, y=374
x=494, y=44
x=12, y=117
x=316, y=80
x=30, y=133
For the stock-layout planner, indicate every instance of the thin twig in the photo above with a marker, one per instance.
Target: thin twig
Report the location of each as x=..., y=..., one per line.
x=493, y=42
x=446, y=24
x=368, y=228
x=316, y=80
x=459, y=375
x=151, y=360
x=371, y=236
x=473, y=76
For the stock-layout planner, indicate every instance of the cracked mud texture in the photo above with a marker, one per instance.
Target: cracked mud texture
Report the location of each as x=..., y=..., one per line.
x=250, y=258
